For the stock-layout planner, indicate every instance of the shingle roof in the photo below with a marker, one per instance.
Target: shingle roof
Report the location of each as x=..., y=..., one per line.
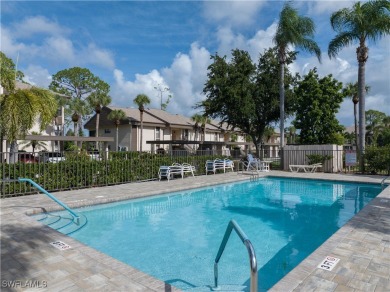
x=174, y=119
x=134, y=115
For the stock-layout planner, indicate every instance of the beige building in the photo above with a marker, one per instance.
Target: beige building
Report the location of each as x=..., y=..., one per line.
x=162, y=130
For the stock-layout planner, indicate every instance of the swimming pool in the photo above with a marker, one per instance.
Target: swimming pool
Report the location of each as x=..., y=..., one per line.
x=176, y=237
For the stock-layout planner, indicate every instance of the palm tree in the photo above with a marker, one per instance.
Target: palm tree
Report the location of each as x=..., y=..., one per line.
x=35, y=144
x=117, y=116
x=141, y=100
x=21, y=108
x=197, y=118
x=296, y=31
x=203, y=120
x=367, y=21
x=351, y=91
x=97, y=100
x=79, y=108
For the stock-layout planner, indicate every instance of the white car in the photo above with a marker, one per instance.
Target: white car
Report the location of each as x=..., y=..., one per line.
x=52, y=157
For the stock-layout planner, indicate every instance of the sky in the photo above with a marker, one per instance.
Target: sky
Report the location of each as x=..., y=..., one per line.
x=151, y=46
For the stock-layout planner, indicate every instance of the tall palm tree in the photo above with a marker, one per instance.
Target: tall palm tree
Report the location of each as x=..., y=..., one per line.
x=35, y=144
x=97, y=100
x=197, y=119
x=117, y=116
x=293, y=30
x=203, y=120
x=351, y=91
x=367, y=21
x=141, y=100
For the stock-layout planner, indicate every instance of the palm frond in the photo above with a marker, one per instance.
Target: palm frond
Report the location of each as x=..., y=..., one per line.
x=340, y=41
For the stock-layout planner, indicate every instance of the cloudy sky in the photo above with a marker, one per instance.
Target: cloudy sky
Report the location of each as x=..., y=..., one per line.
x=137, y=46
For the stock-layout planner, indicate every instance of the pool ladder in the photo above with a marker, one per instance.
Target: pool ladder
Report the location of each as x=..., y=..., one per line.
x=383, y=182
x=251, y=252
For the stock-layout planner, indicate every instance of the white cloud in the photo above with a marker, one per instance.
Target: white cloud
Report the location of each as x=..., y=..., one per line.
x=185, y=78
x=30, y=26
x=125, y=91
x=36, y=75
x=234, y=13
x=55, y=46
x=326, y=6
x=262, y=40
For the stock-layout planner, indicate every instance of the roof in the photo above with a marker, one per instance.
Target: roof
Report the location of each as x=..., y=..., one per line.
x=134, y=115
x=173, y=119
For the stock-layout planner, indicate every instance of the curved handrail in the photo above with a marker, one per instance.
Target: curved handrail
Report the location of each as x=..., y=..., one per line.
x=37, y=186
x=251, y=252
x=383, y=182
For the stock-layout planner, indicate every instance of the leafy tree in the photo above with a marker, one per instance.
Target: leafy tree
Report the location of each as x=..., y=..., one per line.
x=374, y=125
x=98, y=100
x=317, y=102
x=141, y=100
x=78, y=83
x=8, y=74
x=35, y=144
x=351, y=91
x=297, y=31
x=245, y=95
x=117, y=116
x=363, y=22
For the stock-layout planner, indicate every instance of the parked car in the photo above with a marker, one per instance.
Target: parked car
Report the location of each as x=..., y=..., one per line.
x=52, y=157
x=94, y=155
x=27, y=158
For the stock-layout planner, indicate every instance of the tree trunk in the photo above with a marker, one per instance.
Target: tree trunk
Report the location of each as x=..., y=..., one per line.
x=117, y=139
x=362, y=56
x=142, y=129
x=97, y=129
x=281, y=96
x=356, y=127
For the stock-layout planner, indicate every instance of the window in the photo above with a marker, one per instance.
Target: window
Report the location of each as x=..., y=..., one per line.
x=158, y=133
x=216, y=137
x=107, y=131
x=185, y=134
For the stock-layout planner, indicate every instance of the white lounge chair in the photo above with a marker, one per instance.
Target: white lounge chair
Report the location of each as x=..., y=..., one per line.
x=214, y=165
x=305, y=168
x=176, y=168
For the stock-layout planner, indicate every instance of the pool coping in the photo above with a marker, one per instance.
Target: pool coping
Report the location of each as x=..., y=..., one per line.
x=363, y=244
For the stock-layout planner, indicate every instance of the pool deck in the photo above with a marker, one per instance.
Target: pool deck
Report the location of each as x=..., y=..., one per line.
x=28, y=259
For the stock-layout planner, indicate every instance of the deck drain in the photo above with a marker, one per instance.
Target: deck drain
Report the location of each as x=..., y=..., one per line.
x=328, y=263
x=60, y=245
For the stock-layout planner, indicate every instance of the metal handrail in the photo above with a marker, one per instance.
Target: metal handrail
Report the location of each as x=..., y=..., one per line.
x=383, y=182
x=37, y=186
x=251, y=252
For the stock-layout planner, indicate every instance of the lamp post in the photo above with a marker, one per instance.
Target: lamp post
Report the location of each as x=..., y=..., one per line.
x=161, y=90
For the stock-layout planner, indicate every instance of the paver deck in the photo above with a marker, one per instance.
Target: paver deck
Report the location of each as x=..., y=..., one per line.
x=28, y=260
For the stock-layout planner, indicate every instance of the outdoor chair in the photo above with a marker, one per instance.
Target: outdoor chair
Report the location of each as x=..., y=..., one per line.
x=305, y=168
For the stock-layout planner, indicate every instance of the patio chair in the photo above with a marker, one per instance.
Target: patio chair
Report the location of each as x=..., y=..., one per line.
x=188, y=168
x=305, y=167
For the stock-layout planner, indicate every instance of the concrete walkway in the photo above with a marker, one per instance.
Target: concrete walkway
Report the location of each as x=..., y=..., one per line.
x=30, y=263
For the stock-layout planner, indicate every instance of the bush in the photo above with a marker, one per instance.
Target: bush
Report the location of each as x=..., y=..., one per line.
x=318, y=158
x=378, y=159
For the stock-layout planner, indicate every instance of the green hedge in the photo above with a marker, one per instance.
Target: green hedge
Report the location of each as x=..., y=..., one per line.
x=79, y=171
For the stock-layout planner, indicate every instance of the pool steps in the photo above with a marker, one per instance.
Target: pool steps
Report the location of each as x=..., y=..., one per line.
x=62, y=223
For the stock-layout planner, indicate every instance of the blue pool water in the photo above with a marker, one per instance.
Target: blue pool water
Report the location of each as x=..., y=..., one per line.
x=176, y=237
